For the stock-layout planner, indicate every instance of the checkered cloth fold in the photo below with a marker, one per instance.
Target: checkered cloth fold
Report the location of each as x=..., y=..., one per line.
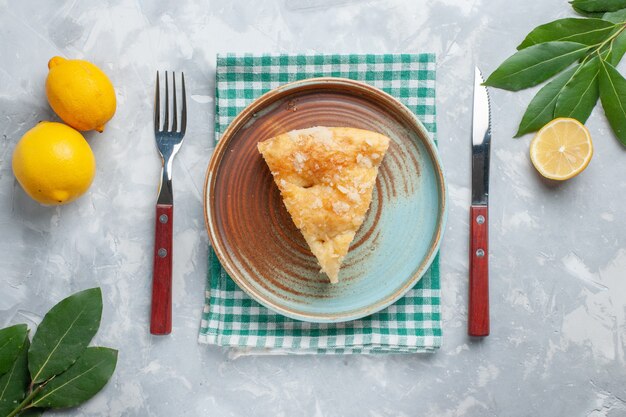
x=230, y=317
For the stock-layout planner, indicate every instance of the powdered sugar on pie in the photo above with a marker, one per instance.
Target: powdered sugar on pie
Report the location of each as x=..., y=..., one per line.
x=326, y=176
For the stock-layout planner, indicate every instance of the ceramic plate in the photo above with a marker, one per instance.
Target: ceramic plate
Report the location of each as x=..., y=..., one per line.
x=256, y=240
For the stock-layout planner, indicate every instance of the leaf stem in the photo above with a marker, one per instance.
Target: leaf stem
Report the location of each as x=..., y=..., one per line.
x=28, y=399
x=599, y=46
x=609, y=39
x=580, y=66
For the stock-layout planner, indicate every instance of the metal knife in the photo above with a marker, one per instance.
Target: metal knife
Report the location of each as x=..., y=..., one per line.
x=478, y=315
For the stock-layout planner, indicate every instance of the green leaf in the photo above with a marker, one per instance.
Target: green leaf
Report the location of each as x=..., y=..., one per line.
x=588, y=14
x=599, y=5
x=81, y=381
x=615, y=17
x=11, y=341
x=617, y=49
x=14, y=383
x=31, y=412
x=580, y=94
x=541, y=109
x=64, y=333
x=585, y=31
x=613, y=97
x=535, y=64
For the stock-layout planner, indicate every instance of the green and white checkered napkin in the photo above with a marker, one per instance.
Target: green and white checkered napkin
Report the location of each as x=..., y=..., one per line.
x=230, y=317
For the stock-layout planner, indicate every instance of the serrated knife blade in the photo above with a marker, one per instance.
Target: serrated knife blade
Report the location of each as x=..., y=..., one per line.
x=481, y=141
x=478, y=314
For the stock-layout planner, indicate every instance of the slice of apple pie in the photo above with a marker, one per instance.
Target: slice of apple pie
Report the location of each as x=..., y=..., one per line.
x=326, y=176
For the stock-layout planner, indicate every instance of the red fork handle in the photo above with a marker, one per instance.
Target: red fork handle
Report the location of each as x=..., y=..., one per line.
x=478, y=316
x=161, y=315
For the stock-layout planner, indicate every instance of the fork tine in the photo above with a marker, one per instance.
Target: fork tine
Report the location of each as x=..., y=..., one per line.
x=157, y=106
x=174, y=112
x=183, y=118
x=166, y=125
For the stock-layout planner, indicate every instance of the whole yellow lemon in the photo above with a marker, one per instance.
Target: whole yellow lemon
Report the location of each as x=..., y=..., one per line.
x=80, y=93
x=53, y=163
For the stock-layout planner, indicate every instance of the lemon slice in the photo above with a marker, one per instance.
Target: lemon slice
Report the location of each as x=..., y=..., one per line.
x=562, y=149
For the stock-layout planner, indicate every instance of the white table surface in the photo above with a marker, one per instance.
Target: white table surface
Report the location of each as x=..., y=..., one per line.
x=558, y=254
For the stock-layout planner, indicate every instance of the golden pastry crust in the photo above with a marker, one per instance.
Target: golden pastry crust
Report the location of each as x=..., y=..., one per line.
x=326, y=176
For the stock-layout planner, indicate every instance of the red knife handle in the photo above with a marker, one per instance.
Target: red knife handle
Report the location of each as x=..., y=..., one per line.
x=478, y=316
x=161, y=316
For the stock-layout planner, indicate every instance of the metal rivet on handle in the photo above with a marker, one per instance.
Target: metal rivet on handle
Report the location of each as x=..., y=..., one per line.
x=480, y=219
x=163, y=218
x=480, y=253
x=162, y=253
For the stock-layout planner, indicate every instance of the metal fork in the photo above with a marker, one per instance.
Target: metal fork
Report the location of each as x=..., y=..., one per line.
x=169, y=139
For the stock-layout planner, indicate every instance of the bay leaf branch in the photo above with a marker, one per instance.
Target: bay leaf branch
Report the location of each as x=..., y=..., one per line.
x=599, y=5
x=613, y=98
x=615, y=17
x=535, y=64
x=585, y=31
x=541, y=108
x=64, y=333
x=84, y=379
x=580, y=95
x=11, y=341
x=14, y=383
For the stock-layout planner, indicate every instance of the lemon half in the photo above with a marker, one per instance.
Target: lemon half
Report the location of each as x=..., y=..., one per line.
x=562, y=149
